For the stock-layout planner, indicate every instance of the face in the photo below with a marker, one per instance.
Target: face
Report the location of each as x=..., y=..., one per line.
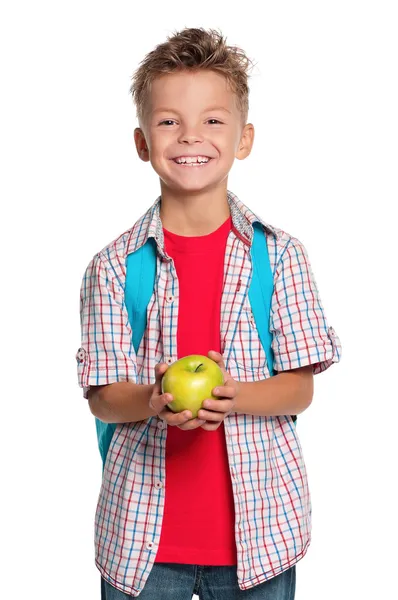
x=192, y=116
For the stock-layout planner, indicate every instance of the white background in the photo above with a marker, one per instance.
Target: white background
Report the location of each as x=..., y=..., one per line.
x=323, y=168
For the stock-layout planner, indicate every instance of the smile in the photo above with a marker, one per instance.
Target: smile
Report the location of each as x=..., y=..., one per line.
x=192, y=163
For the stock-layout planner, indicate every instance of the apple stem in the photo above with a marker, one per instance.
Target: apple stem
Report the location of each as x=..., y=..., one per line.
x=201, y=365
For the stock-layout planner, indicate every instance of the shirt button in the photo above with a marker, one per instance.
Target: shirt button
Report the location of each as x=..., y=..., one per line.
x=169, y=298
x=81, y=354
x=161, y=424
x=169, y=361
x=149, y=545
x=158, y=485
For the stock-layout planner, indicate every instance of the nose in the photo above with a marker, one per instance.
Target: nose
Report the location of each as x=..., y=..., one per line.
x=190, y=136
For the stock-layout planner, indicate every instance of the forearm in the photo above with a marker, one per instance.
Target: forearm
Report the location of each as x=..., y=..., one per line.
x=123, y=402
x=288, y=393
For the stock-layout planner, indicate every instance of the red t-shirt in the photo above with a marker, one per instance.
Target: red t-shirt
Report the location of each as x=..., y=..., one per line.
x=199, y=515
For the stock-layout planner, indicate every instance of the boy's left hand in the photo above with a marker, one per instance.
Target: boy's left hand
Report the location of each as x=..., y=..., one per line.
x=215, y=412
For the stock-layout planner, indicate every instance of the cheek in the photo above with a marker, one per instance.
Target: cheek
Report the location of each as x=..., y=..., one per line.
x=158, y=152
x=227, y=144
x=157, y=143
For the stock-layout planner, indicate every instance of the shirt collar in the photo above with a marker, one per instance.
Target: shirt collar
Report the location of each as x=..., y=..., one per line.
x=150, y=225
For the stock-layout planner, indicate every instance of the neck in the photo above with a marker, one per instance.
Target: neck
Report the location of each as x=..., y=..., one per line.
x=193, y=214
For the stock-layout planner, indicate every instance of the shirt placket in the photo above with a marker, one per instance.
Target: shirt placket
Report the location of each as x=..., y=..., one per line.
x=232, y=303
x=236, y=288
x=168, y=293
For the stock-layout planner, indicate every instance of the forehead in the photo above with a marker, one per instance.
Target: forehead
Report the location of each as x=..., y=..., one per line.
x=196, y=89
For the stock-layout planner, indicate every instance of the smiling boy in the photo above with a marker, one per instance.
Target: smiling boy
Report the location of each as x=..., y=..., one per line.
x=172, y=140
x=218, y=505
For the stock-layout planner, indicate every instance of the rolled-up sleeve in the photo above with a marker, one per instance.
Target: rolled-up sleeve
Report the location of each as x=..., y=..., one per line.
x=301, y=335
x=106, y=354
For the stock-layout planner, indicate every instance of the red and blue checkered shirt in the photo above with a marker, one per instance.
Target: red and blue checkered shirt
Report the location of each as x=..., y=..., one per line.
x=268, y=474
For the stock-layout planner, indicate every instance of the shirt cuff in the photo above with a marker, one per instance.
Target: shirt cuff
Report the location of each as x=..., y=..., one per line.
x=104, y=372
x=321, y=353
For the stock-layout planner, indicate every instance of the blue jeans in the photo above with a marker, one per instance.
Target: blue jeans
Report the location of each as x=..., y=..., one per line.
x=170, y=581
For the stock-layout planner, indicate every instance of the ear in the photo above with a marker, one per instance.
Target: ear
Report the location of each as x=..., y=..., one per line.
x=246, y=142
x=141, y=145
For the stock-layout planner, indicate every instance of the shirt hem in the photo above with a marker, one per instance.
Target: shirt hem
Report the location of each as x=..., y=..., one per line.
x=132, y=591
x=249, y=583
x=243, y=585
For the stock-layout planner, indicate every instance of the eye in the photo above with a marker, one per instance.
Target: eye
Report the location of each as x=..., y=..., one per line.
x=167, y=121
x=216, y=121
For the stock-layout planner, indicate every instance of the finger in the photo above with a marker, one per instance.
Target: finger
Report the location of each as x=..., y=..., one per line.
x=212, y=416
x=224, y=391
x=157, y=403
x=191, y=424
x=173, y=418
x=160, y=370
x=217, y=357
x=221, y=406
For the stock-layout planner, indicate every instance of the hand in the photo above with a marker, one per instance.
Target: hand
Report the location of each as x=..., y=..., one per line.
x=183, y=420
x=215, y=411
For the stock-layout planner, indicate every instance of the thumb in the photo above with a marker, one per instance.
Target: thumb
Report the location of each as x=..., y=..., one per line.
x=160, y=370
x=217, y=357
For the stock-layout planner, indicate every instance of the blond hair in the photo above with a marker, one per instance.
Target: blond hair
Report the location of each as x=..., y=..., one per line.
x=192, y=50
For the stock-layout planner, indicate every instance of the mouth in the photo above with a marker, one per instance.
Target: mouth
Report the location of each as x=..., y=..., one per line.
x=198, y=164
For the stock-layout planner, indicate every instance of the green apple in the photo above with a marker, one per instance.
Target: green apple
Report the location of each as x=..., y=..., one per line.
x=190, y=380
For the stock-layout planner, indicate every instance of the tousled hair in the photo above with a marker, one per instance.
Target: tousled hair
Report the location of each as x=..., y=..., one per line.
x=193, y=49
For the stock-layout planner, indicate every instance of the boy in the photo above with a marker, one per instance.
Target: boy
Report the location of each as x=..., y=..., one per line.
x=236, y=517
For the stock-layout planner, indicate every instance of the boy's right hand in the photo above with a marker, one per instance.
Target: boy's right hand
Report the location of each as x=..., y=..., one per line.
x=158, y=402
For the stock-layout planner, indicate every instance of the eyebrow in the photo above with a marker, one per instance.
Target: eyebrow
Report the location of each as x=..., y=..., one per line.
x=206, y=110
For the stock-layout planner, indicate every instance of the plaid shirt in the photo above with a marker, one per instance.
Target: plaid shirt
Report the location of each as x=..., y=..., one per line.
x=268, y=475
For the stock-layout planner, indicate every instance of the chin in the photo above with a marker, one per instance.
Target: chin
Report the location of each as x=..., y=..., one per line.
x=198, y=185
x=193, y=186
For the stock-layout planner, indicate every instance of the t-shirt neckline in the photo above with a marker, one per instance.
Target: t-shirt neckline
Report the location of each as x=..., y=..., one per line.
x=184, y=242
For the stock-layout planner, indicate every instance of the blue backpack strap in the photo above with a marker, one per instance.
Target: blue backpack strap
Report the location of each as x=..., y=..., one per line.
x=140, y=281
x=260, y=293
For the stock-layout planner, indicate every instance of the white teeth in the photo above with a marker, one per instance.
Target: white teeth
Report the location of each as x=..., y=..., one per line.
x=192, y=160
